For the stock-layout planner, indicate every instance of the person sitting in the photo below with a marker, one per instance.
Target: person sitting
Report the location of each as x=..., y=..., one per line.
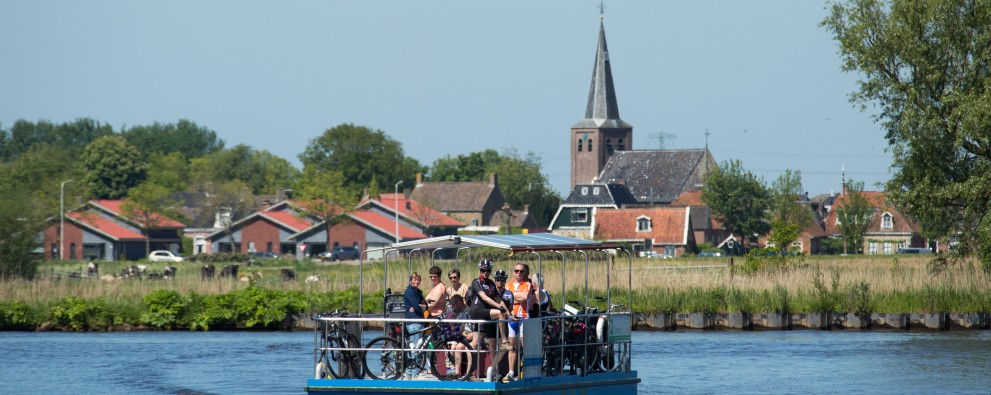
x=437, y=296
x=486, y=305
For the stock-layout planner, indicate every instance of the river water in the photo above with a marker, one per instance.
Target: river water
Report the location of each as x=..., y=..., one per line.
x=667, y=362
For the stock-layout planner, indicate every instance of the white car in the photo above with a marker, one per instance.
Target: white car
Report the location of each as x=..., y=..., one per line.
x=163, y=256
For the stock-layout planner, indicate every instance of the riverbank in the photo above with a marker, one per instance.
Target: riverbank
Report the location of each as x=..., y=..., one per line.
x=705, y=293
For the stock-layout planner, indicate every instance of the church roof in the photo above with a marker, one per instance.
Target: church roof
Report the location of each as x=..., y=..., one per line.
x=657, y=176
x=611, y=195
x=602, y=110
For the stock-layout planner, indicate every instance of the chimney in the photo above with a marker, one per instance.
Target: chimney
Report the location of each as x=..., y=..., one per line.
x=526, y=208
x=419, y=179
x=364, y=194
x=280, y=194
x=493, y=180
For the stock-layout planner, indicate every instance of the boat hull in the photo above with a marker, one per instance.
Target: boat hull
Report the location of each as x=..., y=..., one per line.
x=599, y=383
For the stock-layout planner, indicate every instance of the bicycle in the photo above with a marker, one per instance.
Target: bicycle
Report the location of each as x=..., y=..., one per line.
x=338, y=352
x=387, y=357
x=611, y=356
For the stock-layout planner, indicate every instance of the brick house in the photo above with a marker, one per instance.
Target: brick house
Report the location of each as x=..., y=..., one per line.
x=668, y=229
x=473, y=203
x=890, y=229
x=103, y=230
x=269, y=230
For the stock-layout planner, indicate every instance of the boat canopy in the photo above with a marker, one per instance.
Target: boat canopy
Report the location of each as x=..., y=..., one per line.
x=527, y=242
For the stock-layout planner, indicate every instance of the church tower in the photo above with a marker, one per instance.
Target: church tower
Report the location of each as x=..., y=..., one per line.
x=602, y=133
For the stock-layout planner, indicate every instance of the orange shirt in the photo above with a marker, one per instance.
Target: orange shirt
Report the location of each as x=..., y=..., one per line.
x=522, y=297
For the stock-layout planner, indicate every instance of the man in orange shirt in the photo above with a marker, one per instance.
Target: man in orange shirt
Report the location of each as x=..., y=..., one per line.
x=523, y=296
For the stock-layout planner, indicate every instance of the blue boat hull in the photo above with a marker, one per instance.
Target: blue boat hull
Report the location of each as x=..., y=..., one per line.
x=600, y=383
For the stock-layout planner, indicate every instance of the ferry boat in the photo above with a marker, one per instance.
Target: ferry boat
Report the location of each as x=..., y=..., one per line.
x=582, y=350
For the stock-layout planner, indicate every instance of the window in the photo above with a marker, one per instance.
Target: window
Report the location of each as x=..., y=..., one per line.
x=608, y=144
x=579, y=215
x=474, y=222
x=622, y=147
x=872, y=248
x=72, y=251
x=595, y=191
x=584, y=191
x=268, y=246
x=357, y=245
x=589, y=145
x=643, y=224
x=669, y=250
x=797, y=246
x=579, y=145
x=888, y=248
x=887, y=223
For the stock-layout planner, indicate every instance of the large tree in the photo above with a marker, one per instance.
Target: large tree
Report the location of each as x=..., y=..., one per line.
x=185, y=137
x=788, y=217
x=69, y=136
x=112, y=167
x=326, y=196
x=926, y=66
x=521, y=179
x=360, y=153
x=739, y=199
x=21, y=219
x=853, y=216
x=260, y=170
x=146, y=204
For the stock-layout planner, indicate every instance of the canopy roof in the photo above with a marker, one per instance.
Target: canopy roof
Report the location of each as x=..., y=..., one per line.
x=528, y=242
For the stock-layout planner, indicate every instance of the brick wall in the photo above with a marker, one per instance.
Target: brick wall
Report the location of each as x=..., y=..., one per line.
x=347, y=235
x=260, y=232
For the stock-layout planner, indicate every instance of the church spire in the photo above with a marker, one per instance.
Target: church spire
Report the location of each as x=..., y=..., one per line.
x=602, y=109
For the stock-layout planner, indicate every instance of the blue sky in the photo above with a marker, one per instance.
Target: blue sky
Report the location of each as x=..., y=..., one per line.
x=452, y=77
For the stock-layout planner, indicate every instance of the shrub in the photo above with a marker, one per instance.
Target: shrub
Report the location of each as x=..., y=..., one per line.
x=165, y=309
x=16, y=316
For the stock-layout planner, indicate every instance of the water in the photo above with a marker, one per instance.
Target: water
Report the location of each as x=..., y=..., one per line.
x=668, y=362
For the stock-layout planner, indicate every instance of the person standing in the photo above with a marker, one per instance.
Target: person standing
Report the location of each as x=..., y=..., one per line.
x=415, y=305
x=437, y=296
x=523, y=296
x=457, y=287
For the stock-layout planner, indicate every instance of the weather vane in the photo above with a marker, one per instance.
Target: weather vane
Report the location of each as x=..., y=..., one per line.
x=602, y=9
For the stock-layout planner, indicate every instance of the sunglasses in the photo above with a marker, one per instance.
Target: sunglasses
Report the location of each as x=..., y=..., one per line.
x=485, y=271
x=517, y=271
x=453, y=277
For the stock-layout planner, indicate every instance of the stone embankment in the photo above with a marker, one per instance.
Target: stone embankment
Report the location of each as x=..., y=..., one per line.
x=825, y=321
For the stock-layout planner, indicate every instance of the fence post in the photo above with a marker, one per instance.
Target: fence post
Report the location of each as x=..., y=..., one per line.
x=730, y=268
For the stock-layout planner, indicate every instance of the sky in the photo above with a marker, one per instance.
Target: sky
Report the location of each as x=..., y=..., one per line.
x=453, y=77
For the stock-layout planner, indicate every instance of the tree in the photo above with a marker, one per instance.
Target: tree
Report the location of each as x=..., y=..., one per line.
x=326, y=196
x=20, y=222
x=112, y=167
x=170, y=171
x=146, y=204
x=854, y=214
x=739, y=199
x=69, y=136
x=233, y=199
x=926, y=65
x=359, y=153
x=184, y=137
x=260, y=170
x=788, y=217
x=520, y=178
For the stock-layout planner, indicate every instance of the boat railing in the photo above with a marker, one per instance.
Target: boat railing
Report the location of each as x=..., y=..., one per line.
x=570, y=344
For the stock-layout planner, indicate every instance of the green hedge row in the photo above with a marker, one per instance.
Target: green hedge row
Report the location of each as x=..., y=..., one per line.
x=249, y=308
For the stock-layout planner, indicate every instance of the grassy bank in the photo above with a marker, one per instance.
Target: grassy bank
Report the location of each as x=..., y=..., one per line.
x=901, y=284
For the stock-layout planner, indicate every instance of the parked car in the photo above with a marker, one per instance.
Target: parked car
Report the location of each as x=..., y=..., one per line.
x=655, y=255
x=339, y=254
x=914, y=251
x=163, y=256
x=265, y=255
x=710, y=254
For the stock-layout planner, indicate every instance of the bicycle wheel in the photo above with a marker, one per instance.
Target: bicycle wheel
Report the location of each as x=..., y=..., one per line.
x=459, y=361
x=383, y=358
x=333, y=357
x=354, y=359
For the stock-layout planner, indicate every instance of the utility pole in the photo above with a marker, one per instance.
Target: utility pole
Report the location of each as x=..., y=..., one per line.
x=61, y=219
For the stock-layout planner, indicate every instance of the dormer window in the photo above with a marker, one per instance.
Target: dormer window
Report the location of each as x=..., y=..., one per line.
x=579, y=215
x=643, y=224
x=584, y=191
x=887, y=222
x=595, y=191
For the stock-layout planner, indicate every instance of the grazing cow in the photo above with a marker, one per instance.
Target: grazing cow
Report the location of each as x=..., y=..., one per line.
x=130, y=271
x=92, y=270
x=288, y=275
x=206, y=272
x=170, y=271
x=109, y=278
x=141, y=270
x=155, y=276
x=313, y=278
x=229, y=271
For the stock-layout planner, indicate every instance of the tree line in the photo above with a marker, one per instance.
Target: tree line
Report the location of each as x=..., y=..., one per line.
x=154, y=166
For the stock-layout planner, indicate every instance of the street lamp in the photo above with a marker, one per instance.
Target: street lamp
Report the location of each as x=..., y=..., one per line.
x=61, y=219
x=397, y=209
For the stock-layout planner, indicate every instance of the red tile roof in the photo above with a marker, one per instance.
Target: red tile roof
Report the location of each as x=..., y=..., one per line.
x=411, y=209
x=689, y=199
x=116, y=207
x=104, y=225
x=669, y=225
x=901, y=223
x=386, y=225
x=288, y=219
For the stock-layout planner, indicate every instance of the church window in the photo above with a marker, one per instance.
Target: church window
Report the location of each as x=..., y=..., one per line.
x=579, y=215
x=622, y=147
x=589, y=145
x=579, y=145
x=608, y=144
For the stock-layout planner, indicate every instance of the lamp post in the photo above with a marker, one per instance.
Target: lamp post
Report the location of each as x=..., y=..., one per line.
x=61, y=219
x=397, y=209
